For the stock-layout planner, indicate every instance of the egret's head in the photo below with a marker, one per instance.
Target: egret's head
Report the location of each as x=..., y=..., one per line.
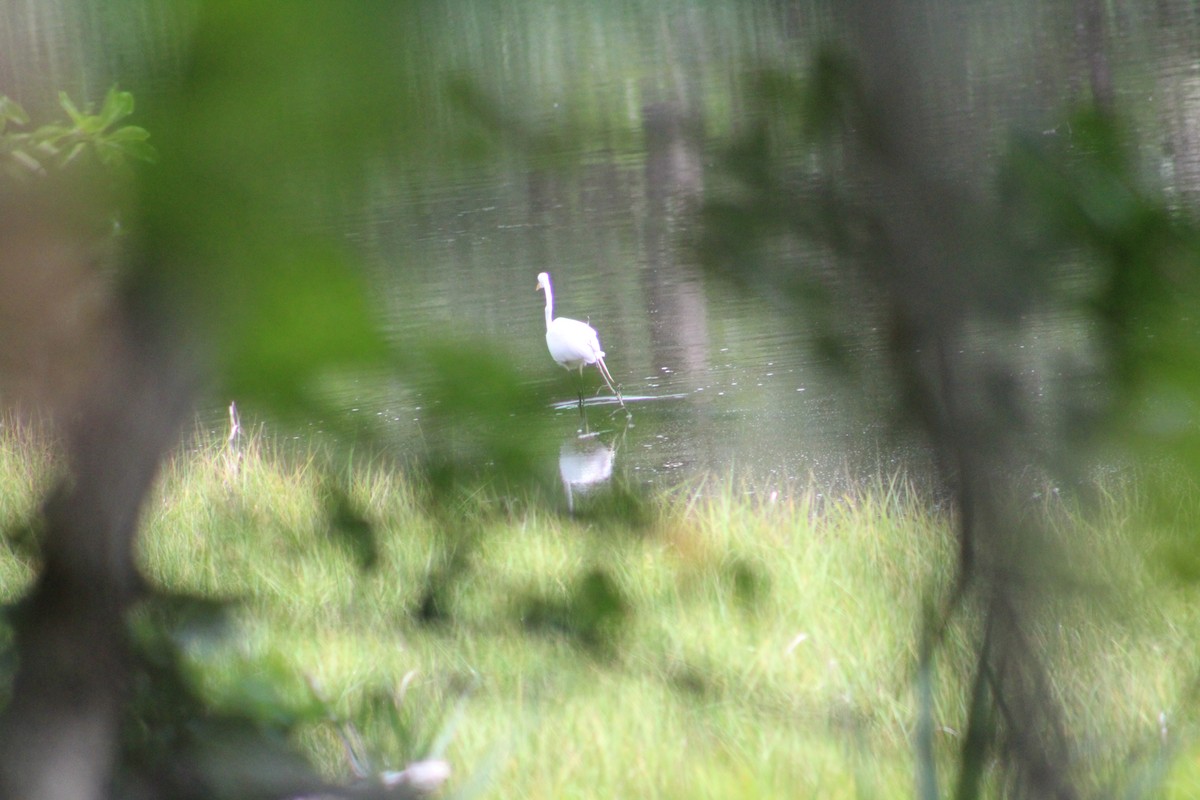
x=543, y=281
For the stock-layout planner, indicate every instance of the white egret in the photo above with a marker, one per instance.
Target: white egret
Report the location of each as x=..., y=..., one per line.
x=573, y=344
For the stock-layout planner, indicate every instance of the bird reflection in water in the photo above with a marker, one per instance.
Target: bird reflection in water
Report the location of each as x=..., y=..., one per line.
x=585, y=463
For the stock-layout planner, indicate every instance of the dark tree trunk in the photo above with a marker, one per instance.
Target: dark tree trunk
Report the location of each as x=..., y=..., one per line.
x=59, y=734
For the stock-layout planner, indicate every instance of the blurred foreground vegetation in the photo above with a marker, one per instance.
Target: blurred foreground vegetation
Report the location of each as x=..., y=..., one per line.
x=182, y=619
x=738, y=645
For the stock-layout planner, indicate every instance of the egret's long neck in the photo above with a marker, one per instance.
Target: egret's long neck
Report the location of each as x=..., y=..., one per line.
x=549, y=304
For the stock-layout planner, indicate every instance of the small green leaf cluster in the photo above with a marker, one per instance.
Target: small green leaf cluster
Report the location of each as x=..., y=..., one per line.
x=57, y=145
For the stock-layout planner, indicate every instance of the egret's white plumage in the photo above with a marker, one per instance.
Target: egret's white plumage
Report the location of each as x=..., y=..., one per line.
x=573, y=344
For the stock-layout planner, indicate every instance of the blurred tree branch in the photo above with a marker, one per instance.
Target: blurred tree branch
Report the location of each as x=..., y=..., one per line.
x=946, y=276
x=938, y=265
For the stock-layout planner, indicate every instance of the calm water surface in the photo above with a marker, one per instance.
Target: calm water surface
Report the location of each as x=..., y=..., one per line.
x=721, y=382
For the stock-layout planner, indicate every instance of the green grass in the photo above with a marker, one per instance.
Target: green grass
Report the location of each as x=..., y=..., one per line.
x=726, y=646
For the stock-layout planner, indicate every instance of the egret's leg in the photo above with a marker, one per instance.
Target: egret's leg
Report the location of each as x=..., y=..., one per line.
x=582, y=413
x=611, y=383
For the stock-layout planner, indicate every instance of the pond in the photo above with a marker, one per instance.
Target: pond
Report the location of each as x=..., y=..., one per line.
x=717, y=382
x=722, y=382
x=604, y=130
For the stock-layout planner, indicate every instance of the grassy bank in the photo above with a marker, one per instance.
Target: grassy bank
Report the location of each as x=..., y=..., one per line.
x=725, y=646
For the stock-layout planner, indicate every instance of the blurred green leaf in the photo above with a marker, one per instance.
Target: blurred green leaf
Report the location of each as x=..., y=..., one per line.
x=128, y=134
x=79, y=147
x=11, y=111
x=117, y=106
x=68, y=105
x=59, y=146
x=289, y=317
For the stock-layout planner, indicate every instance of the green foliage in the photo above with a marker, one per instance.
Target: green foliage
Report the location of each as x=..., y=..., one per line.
x=282, y=325
x=58, y=145
x=1084, y=193
x=1139, y=250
